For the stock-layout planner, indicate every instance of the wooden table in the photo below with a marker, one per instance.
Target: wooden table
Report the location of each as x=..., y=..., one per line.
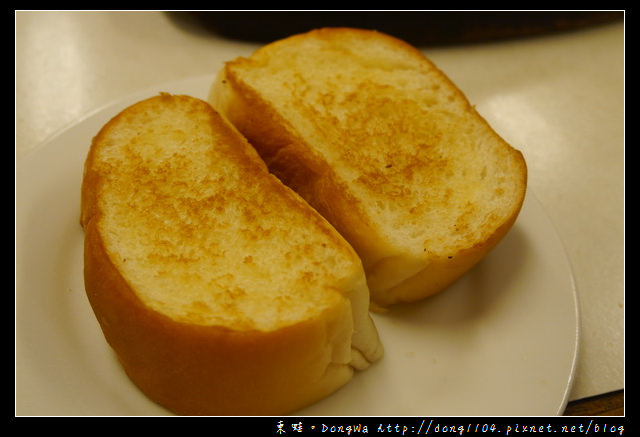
x=608, y=404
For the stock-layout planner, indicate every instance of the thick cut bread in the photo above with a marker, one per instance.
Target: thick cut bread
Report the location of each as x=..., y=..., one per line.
x=220, y=290
x=384, y=146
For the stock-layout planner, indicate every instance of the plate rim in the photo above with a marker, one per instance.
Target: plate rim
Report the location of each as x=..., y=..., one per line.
x=109, y=110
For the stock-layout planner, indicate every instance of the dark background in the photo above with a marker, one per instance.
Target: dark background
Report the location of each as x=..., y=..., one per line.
x=422, y=28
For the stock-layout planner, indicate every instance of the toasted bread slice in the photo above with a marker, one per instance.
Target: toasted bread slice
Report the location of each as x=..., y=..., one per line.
x=383, y=145
x=220, y=290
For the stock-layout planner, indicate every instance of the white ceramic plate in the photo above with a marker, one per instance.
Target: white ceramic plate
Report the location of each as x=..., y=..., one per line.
x=501, y=342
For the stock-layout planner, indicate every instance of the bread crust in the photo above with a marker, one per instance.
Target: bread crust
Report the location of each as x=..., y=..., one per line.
x=215, y=369
x=395, y=274
x=210, y=370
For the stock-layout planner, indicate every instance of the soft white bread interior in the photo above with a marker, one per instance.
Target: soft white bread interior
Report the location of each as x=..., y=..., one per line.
x=378, y=140
x=219, y=289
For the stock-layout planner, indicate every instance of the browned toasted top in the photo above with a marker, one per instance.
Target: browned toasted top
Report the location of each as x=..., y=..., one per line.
x=394, y=131
x=198, y=227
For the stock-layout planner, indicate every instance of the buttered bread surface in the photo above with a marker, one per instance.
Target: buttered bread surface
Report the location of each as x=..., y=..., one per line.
x=221, y=291
x=221, y=243
x=384, y=145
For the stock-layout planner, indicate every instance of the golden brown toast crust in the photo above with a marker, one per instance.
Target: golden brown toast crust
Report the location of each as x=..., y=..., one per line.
x=174, y=206
x=383, y=145
x=208, y=370
x=172, y=194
